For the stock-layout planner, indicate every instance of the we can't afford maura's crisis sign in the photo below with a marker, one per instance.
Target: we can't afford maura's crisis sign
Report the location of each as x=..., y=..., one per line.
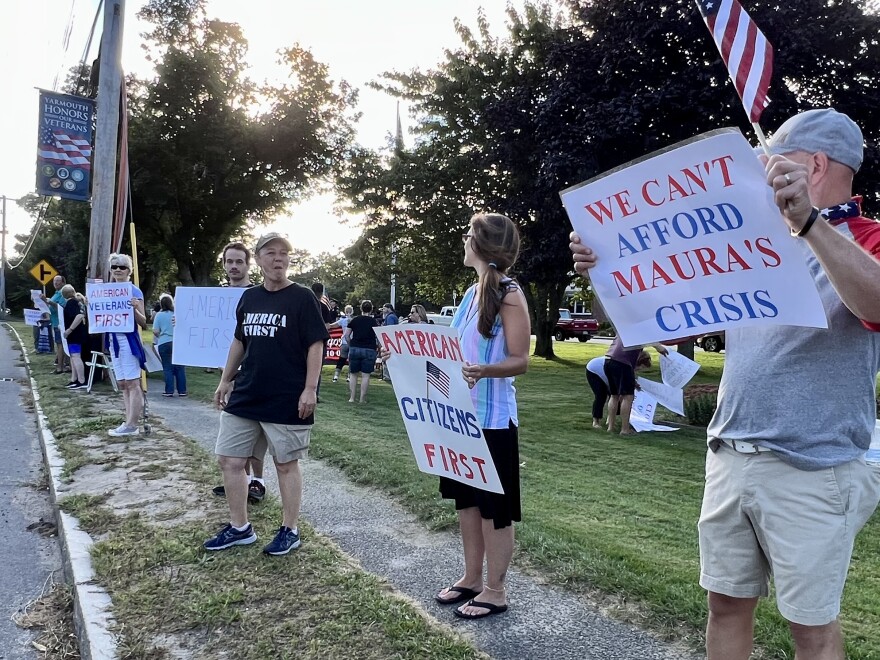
x=689, y=241
x=436, y=405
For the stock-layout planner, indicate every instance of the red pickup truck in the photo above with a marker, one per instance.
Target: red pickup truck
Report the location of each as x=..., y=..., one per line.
x=568, y=327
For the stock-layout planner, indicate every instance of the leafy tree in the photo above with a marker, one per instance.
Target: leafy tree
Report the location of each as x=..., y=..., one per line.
x=213, y=152
x=506, y=124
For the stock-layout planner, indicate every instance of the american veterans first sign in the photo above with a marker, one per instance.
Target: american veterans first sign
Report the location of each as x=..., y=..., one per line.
x=436, y=405
x=689, y=241
x=64, y=151
x=110, y=308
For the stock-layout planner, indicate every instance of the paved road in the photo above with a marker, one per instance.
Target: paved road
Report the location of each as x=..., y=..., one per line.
x=27, y=561
x=543, y=622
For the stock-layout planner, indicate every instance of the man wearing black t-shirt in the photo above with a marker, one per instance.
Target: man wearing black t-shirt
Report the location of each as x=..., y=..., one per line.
x=279, y=342
x=237, y=263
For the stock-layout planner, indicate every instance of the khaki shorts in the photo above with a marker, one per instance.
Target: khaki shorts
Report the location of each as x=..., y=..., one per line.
x=763, y=517
x=242, y=438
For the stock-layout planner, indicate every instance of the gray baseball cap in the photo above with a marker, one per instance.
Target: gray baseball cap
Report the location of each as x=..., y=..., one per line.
x=826, y=130
x=265, y=239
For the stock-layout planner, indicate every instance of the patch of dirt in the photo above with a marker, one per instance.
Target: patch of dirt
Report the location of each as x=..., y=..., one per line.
x=52, y=616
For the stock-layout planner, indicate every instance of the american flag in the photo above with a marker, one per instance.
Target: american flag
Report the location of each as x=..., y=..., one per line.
x=438, y=378
x=62, y=149
x=746, y=52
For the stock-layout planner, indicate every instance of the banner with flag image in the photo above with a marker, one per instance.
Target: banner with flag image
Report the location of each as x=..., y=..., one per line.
x=436, y=404
x=64, y=146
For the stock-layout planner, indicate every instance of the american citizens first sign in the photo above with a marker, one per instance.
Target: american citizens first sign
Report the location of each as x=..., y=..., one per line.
x=64, y=146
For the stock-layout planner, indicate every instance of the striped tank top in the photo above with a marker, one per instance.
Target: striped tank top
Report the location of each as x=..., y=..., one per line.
x=494, y=398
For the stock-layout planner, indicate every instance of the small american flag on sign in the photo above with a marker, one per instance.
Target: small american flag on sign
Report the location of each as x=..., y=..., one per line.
x=744, y=49
x=62, y=149
x=438, y=378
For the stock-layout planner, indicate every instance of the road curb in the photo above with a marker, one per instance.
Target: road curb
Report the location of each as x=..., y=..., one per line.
x=92, y=604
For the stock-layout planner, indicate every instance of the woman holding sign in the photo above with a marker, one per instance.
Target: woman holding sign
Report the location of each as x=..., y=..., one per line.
x=493, y=322
x=128, y=351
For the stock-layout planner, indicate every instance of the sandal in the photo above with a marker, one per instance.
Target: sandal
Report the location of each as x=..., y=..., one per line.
x=463, y=594
x=490, y=607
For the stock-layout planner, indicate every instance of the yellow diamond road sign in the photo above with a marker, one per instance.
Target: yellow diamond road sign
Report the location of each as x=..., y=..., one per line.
x=44, y=272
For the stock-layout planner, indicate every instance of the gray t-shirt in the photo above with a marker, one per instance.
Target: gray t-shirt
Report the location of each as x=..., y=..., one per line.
x=806, y=393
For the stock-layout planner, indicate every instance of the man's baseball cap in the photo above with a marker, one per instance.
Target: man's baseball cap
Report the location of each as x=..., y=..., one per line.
x=825, y=130
x=265, y=239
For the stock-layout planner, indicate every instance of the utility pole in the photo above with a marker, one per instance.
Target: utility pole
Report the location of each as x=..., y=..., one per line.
x=104, y=166
x=3, y=262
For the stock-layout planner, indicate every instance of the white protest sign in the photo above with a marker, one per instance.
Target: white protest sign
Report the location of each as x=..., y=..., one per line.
x=666, y=396
x=110, y=308
x=152, y=362
x=689, y=241
x=436, y=405
x=39, y=303
x=676, y=370
x=32, y=316
x=204, y=325
x=62, y=330
x=641, y=418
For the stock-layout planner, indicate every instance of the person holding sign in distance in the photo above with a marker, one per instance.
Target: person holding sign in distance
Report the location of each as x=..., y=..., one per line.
x=128, y=351
x=493, y=322
x=787, y=485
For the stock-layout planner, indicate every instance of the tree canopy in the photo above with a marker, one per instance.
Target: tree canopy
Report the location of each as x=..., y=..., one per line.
x=504, y=124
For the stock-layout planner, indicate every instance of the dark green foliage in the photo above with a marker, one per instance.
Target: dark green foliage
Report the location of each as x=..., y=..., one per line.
x=699, y=409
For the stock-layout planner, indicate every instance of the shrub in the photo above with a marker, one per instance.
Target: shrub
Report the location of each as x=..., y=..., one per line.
x=699, y=409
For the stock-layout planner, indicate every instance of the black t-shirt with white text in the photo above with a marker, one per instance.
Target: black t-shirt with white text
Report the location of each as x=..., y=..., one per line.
x=277, y=328
x=362, y=335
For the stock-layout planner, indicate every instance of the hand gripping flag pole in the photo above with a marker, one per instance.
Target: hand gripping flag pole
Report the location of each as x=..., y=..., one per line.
x=746, y=53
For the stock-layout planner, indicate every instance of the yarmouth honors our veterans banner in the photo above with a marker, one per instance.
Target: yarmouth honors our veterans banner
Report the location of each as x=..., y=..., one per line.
x=110, y=308
x=64, y=150
x=689, y=241
x=436, y=405
x=204, y=324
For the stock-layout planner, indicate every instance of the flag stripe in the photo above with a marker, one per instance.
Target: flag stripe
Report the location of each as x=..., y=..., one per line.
x=745, y=51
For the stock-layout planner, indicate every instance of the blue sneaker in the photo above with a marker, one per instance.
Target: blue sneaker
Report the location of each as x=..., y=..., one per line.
x=285, y=541
x=229, y=536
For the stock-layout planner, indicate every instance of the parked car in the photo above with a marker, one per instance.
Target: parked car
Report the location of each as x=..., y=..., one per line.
x=569, y=327
x=711, y=343
x=445, y=315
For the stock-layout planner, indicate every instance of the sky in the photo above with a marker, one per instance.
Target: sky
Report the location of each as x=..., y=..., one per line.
x=358, y=40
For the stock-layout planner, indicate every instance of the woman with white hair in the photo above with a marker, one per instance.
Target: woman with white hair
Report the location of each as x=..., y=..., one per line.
x=128, y=351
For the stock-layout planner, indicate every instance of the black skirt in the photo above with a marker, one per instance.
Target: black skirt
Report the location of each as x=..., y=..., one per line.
x=504, y=509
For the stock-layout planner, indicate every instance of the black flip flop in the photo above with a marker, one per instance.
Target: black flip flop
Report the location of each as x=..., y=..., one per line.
x=492, y=609
x=463, y=594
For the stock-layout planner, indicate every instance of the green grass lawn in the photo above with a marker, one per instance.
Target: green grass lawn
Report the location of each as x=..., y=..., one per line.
x=600, y=512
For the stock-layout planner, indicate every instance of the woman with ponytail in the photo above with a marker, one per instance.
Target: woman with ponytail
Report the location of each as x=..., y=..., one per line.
x=493, y=322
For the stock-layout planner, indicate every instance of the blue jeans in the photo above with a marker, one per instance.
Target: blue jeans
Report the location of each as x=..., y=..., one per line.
x=172, y=371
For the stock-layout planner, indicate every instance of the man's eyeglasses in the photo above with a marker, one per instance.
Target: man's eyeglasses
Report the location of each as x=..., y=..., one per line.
x=118, y=267
x=465, y=237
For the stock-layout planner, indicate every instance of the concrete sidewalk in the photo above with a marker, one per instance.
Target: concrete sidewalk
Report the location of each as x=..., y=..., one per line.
x=543, y=621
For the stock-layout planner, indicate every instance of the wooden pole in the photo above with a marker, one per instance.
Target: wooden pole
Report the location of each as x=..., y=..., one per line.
x=104, y=165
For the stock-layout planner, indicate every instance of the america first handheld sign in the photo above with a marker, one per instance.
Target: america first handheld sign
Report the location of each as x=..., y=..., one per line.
x=689, y=241
x=436, y=405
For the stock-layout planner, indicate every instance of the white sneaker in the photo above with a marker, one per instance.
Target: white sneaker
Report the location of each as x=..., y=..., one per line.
x=335, y=379
x=124, y=429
